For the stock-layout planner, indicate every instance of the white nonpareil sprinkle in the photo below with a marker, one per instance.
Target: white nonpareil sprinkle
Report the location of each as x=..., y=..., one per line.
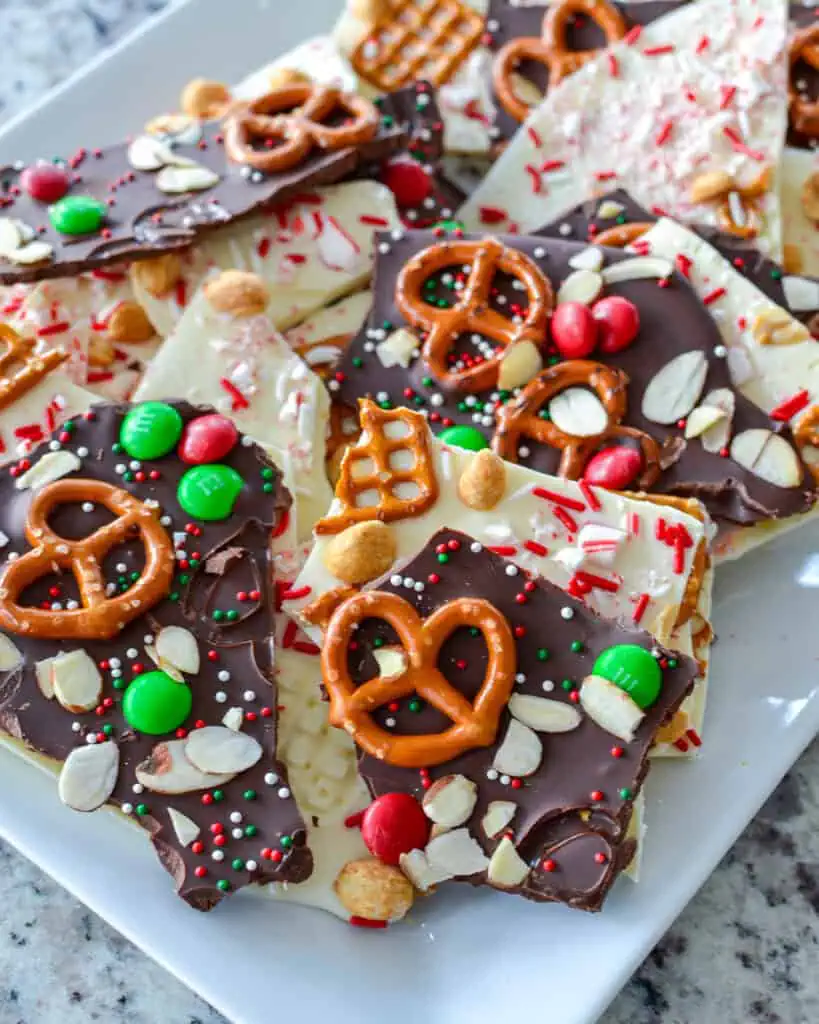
x=220, y=696
x=217, y=855
x=491, y=774
x=91, y=738
x=271, y=778
x=127, y=808
x=476, y=547
x=137, y=788
x=520, y=677
x=504, y=780
x=548, y=685
x=251, y=865
x=223, y=676
x=249, y=695
x=284, y=792
x=235, y=817
x=567, y=613
x=237, y=833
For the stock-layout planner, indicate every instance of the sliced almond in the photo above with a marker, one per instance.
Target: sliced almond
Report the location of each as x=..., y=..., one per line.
x=281, y=77
x=581, y=286
x=158, y=276
x=702, y=418
x=10, y=655
x=32, y=252
x=216, y=749
x=361, y=552
x=420, y=872
x=129, y=324
x=174, y=180
x=775, y=326
x=42, y=673
x=177, y=647
x=543, y=714
x=185, y=829
x=609, y=209
x=48, y=468
x=587, y=259
x=525, y=90
x=507, y=868
x=768, y=456
x=76, y=680
x=610, y=707
x=578, y=412
x=205, y=98
x=457, y=853
x=374, y=891
x=233, y=719
x=88, y=776
x=450, y=800
x=399, y=348
x=482, y=484
x=801, y=293
x=810, y=197
x=181, y=128
x=237, y=293
x=716, y=437
x=498, y=815
x=521, y=362
x=10, y=236
x=167, y=770
x=392, y=662
x=675, y=389
x=520, y=753
x=148, y=153
x=637, y=269
x=710, y=185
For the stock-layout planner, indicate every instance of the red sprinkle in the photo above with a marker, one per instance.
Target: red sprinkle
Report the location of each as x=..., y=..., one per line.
x=505, y=550
x=534, y=175
x=633, y=35
x=491, y=214
x=787, y=409
x=552, y=165
x=591, y=498
x=533, y=136
x=727, y=93
x=614, y=67
x=297, y=594
x=51, y=329
x=658, y=51
x=713, y=296
x=559, y=499
x=640, y=608
x=703, y=44
x=563, y=517
x=549, y=865
x=664, y=134
x=684, y=264
x=536, y=548
x=366, y=922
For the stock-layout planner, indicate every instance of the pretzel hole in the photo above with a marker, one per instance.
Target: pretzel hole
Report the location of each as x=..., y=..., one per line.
x=363, y=467
x=507, y=296
x=403, y=460
x=440, y=290
x=74, y=522
x=368, y=499
x=122, y=566
x=583, y=34
x=805, y=79
x=58, y=586
x=405, y=490
x=395, y=430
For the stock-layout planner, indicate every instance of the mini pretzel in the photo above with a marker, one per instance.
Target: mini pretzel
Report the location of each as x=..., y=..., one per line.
x=747, y=196
x=806, y=435
x=385, y=477
x=289, y=122
x=520, y=419
x=804, y=113
x=621, y=235
x=475, y=723
x=472, y=312
x=552, y=49
x=14, y=383
x=100, y=617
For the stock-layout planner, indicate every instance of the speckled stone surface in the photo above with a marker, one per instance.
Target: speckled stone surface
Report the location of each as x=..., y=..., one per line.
x=744, y=952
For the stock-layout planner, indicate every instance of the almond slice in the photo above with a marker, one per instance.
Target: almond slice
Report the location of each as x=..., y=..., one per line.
x=174, y=180
x=610, y=707
x=392, y=661
x=148, y=153
x=233, y=719
x=88, y=776
x=457, y=853
x=185, y=829
x=177, y=647
x=498, y=815
x=76, y=680
x=42, y=673
x=543, y=714
x=420, y=872
x=398, y=349
x=10, y=656
x=801, y=293
x=710, y=185
x=701, y=419
x=450, y=800
x=520, y=753
x=520, y=363
x=10, y=235
x=768, y=456
x=716, y=437
x=216, y=749
x=587, y=259
x=675, y=389
x=167, y=770
x=507, y=868
x=637, y=269
x=32, y=252
x=578, y=412
x=50, y=467
x=581, y=286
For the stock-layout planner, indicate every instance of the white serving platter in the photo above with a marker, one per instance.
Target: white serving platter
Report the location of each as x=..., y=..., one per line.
x=467, y=956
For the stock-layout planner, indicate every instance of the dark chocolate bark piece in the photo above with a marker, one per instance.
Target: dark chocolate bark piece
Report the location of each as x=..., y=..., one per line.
x=202, y=641
x=141, y=221
x=572, y=801
x=673, y=321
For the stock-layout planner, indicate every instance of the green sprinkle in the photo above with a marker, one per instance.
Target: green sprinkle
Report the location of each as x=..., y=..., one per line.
x=68, y=427
x=116, y=447
x=267, y=474
x=776, y=273
x=250, y=831
x=428, y=382
x=625, y=794
x=141, y=809
x=553, y=360
x=387, y=120
x=184, y=578
x=174, y=595
x=218, y=795
x=567, y=685
x=119, y=684
x=378, y=642
x=621, y=219
x=232, y=615
x=415, y=705
x=577, y=646
x=218, y=615
x=249, y=794
x=358, y=362
x=286, y=842
x=128, y=477
x=267, y=488
x=134, y=576
x=223, y=885
x=107, y=729
x=672, y=662
x=543, y=654
x=474, y=631
x=387, y=325
x=237, y=864
x=443, y=558
x=544, y=414
x=193, y=562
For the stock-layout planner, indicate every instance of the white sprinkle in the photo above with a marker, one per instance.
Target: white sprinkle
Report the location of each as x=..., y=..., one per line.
x=524, y=452
x=520, y=677
x=409, y=582
x=504, y=780
x=491, y=774
x=54, y=446
x=132, y=652
x=548, y=685
x=165, y=520
x=395, y=580
x=512, y=570
x=220, y=696
x=72, y=605
x=567, y=613
x=271, y=778
x=120, y=468
x=720, y=351
x=565, y=230
x=235, y=817
x=134, y=464
x=76, y=727
x=539, y=252
x=91, y=737
x=284, y=792
x=249, y=695
x=237, y=833
x=127, y=808
x=223, y=676
x=114, y=662
x=82, y=452
x=87, y=506
x=116, y=673
x=476, y=547
x=251, y=865
x=419, y=586
x=217, y=855
x=390, y=723
x=137, y=788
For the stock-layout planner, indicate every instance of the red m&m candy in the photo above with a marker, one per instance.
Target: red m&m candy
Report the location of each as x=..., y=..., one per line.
x=394, y=824
x=618, y=322
x=45, y=182
x=574, y=330
x=207, y=439
x=614, y=468
x=408, y=181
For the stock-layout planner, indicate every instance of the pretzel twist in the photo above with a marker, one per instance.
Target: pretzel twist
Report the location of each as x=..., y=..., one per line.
x=520, y=419
x=475, y=724
x=552, y=49
x=621, y=235
x=472, y=312
x=289, y=121
x=100, y=617
x=804, y=113
x=30, y=368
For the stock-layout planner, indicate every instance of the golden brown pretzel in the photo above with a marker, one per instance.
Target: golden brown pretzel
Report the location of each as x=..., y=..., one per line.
x=20, y=369
x=292, y=117
x=621, y=235
x=385, y=477
x=552, y=49
x=475, y=724
x=519, y=419
x=804, y=113
x=806, y=435
x=100, y=617
x=471, y=311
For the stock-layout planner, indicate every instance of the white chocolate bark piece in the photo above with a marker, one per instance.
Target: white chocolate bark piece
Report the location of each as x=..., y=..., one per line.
x=319, y=59
x=247, y=371
x=317, y=339
x=308, y=253
x=800, y=232
x=53, y=400
x=702, y=89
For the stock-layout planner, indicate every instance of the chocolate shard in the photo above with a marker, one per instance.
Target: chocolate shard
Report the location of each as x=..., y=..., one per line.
x=141, y=220
x=557, y=775
x=605, y=401
x=166, y=711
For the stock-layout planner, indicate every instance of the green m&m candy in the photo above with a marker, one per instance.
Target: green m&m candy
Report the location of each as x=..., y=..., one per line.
x=155, y=704
x=634, y=670
x=150, y=430
x=77, y=215
x=464, y=437
x=209, y=492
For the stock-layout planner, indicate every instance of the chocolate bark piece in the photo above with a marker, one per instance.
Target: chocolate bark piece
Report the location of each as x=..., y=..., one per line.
x=142, y=221
x=573, y=809
x=584, y=222
x=803, y=76
x=508, y=21
x=672, y=322
x=214, y=833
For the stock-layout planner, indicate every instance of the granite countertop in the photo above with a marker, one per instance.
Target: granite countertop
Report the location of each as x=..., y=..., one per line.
x=744, y=952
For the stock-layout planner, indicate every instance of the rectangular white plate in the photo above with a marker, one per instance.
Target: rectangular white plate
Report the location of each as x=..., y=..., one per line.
x=468, y=955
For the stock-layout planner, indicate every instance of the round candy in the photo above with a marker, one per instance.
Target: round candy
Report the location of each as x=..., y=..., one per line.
x=633, y=669
x=464, y=437
x=77, y=215
x=574, y=330
x=155, y=704
x=618, y=322
x=614, y=468
x=207, y=439
x=394, y=824
x=45, y=182
x=209, y=492
x=408, y=181
x=150, y=430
